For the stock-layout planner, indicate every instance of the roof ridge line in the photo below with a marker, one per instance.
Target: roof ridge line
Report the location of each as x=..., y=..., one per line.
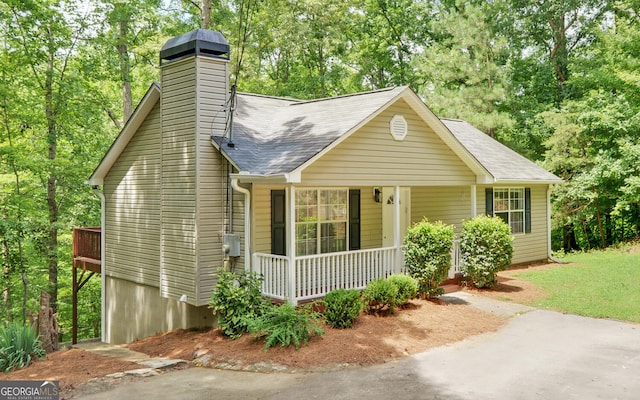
x=266, y=96
x=387, y=89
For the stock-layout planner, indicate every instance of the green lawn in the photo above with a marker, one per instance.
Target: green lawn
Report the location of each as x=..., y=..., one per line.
x=603, y=284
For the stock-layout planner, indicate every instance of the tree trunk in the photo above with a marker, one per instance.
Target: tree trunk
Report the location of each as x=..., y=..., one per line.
x=569, y=238
x=205, y=21
x=47, y=325
x=125, y=68
x=559, y=55
x=52, y=182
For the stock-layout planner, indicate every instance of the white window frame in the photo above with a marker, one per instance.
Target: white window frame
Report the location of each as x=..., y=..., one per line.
x=511, y=209
x=320, y=221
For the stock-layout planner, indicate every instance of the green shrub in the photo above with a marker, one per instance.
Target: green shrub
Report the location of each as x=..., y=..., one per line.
x=285, y=325
x=486, y=247
x=427, y=255
x=19, y=345
x=342, y=307
x=237, y=296
x=407, y=288
x=380, y=295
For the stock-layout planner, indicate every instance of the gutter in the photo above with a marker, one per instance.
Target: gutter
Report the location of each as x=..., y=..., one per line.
x=247, y=221
x=103, y=278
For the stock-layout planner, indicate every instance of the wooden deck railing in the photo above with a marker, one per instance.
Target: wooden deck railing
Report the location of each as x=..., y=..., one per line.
x=87, y=245
x=87, y=258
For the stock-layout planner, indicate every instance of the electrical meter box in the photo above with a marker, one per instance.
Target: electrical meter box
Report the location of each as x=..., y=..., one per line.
x=231, y=243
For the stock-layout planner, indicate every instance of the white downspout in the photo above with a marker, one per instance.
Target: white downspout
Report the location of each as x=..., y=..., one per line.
x=103, y=260
x=247, y=222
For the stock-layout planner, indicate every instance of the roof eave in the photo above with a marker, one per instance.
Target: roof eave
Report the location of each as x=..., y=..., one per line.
x=225, y=154
x=528, y=181
x=126, y=134
x=248, y=177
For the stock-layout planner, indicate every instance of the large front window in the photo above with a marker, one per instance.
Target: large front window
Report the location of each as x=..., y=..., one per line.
x=321, y=220
x=508, y=204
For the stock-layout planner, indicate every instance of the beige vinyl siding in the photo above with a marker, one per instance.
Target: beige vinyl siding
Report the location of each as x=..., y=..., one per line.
x=238, y=228
x=371, y=157
x=370, y=220
x=450, y=205
x=212, y=177
x=132, y=193
x=528, y=246
x=178, y=213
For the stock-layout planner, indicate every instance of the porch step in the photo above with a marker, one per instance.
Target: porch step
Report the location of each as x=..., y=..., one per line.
x=451, y=285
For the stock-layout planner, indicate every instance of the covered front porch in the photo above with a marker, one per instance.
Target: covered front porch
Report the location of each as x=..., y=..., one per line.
x=330, y=238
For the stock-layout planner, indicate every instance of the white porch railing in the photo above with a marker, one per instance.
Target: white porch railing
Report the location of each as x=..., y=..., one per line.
x=456, y=260
x=317, y=275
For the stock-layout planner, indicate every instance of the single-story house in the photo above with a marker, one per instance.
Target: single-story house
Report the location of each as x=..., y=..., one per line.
x=313, y=194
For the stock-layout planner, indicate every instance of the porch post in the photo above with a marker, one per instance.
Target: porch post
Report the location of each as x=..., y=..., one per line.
x=474, y=208
x=291, y=244
x=397, y=240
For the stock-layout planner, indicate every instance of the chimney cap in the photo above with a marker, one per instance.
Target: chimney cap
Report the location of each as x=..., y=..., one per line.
x=197, y=42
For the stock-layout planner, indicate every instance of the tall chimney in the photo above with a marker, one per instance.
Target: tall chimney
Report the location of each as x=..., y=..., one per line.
x=195, y=88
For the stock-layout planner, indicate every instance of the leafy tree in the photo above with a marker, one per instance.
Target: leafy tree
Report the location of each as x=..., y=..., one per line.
x=464, y=71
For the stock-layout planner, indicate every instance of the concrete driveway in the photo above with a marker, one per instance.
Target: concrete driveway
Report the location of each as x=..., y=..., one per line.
x=538, y=355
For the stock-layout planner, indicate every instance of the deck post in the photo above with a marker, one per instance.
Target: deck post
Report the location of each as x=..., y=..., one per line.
x=291, y=244
x=74, y=302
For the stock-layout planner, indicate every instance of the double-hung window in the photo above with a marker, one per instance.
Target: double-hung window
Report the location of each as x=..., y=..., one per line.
x=321, y=220
x=509, y=204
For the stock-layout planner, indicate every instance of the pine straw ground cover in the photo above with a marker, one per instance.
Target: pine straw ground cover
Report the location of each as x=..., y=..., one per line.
x=373, y=339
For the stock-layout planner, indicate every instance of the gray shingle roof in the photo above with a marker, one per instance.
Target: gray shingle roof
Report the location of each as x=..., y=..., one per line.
x=277, y=135
x=502, y=162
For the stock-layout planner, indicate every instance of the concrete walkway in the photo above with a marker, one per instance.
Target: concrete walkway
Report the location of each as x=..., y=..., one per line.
x=538, y=355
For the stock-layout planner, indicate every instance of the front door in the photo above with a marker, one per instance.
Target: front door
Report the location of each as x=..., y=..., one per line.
x=387, y=214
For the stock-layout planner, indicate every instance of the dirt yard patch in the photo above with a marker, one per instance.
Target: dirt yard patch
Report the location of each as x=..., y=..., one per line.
x=373, y=339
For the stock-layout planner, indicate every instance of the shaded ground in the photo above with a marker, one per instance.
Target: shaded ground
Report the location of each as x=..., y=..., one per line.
x=373, y=339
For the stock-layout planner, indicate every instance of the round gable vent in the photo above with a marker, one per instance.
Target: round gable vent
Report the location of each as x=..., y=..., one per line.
x=398, y=127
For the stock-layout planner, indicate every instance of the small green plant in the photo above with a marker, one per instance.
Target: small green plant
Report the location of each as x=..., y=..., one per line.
x=237, y=296
x=380, y=296
x=427, y=255
x=486, y=247
x=19, y=345
x=407, y=287
x=342, y=307
x=285, y=325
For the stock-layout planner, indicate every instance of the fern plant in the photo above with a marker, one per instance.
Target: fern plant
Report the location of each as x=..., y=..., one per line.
x=285, y=325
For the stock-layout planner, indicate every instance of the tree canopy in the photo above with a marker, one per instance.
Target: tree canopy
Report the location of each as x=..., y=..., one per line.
x=558, y=81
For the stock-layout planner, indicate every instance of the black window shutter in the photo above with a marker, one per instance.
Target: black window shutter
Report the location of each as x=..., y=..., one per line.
x=354, y=219
x=489, y=202
x=278, y=222
x=527, y=210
